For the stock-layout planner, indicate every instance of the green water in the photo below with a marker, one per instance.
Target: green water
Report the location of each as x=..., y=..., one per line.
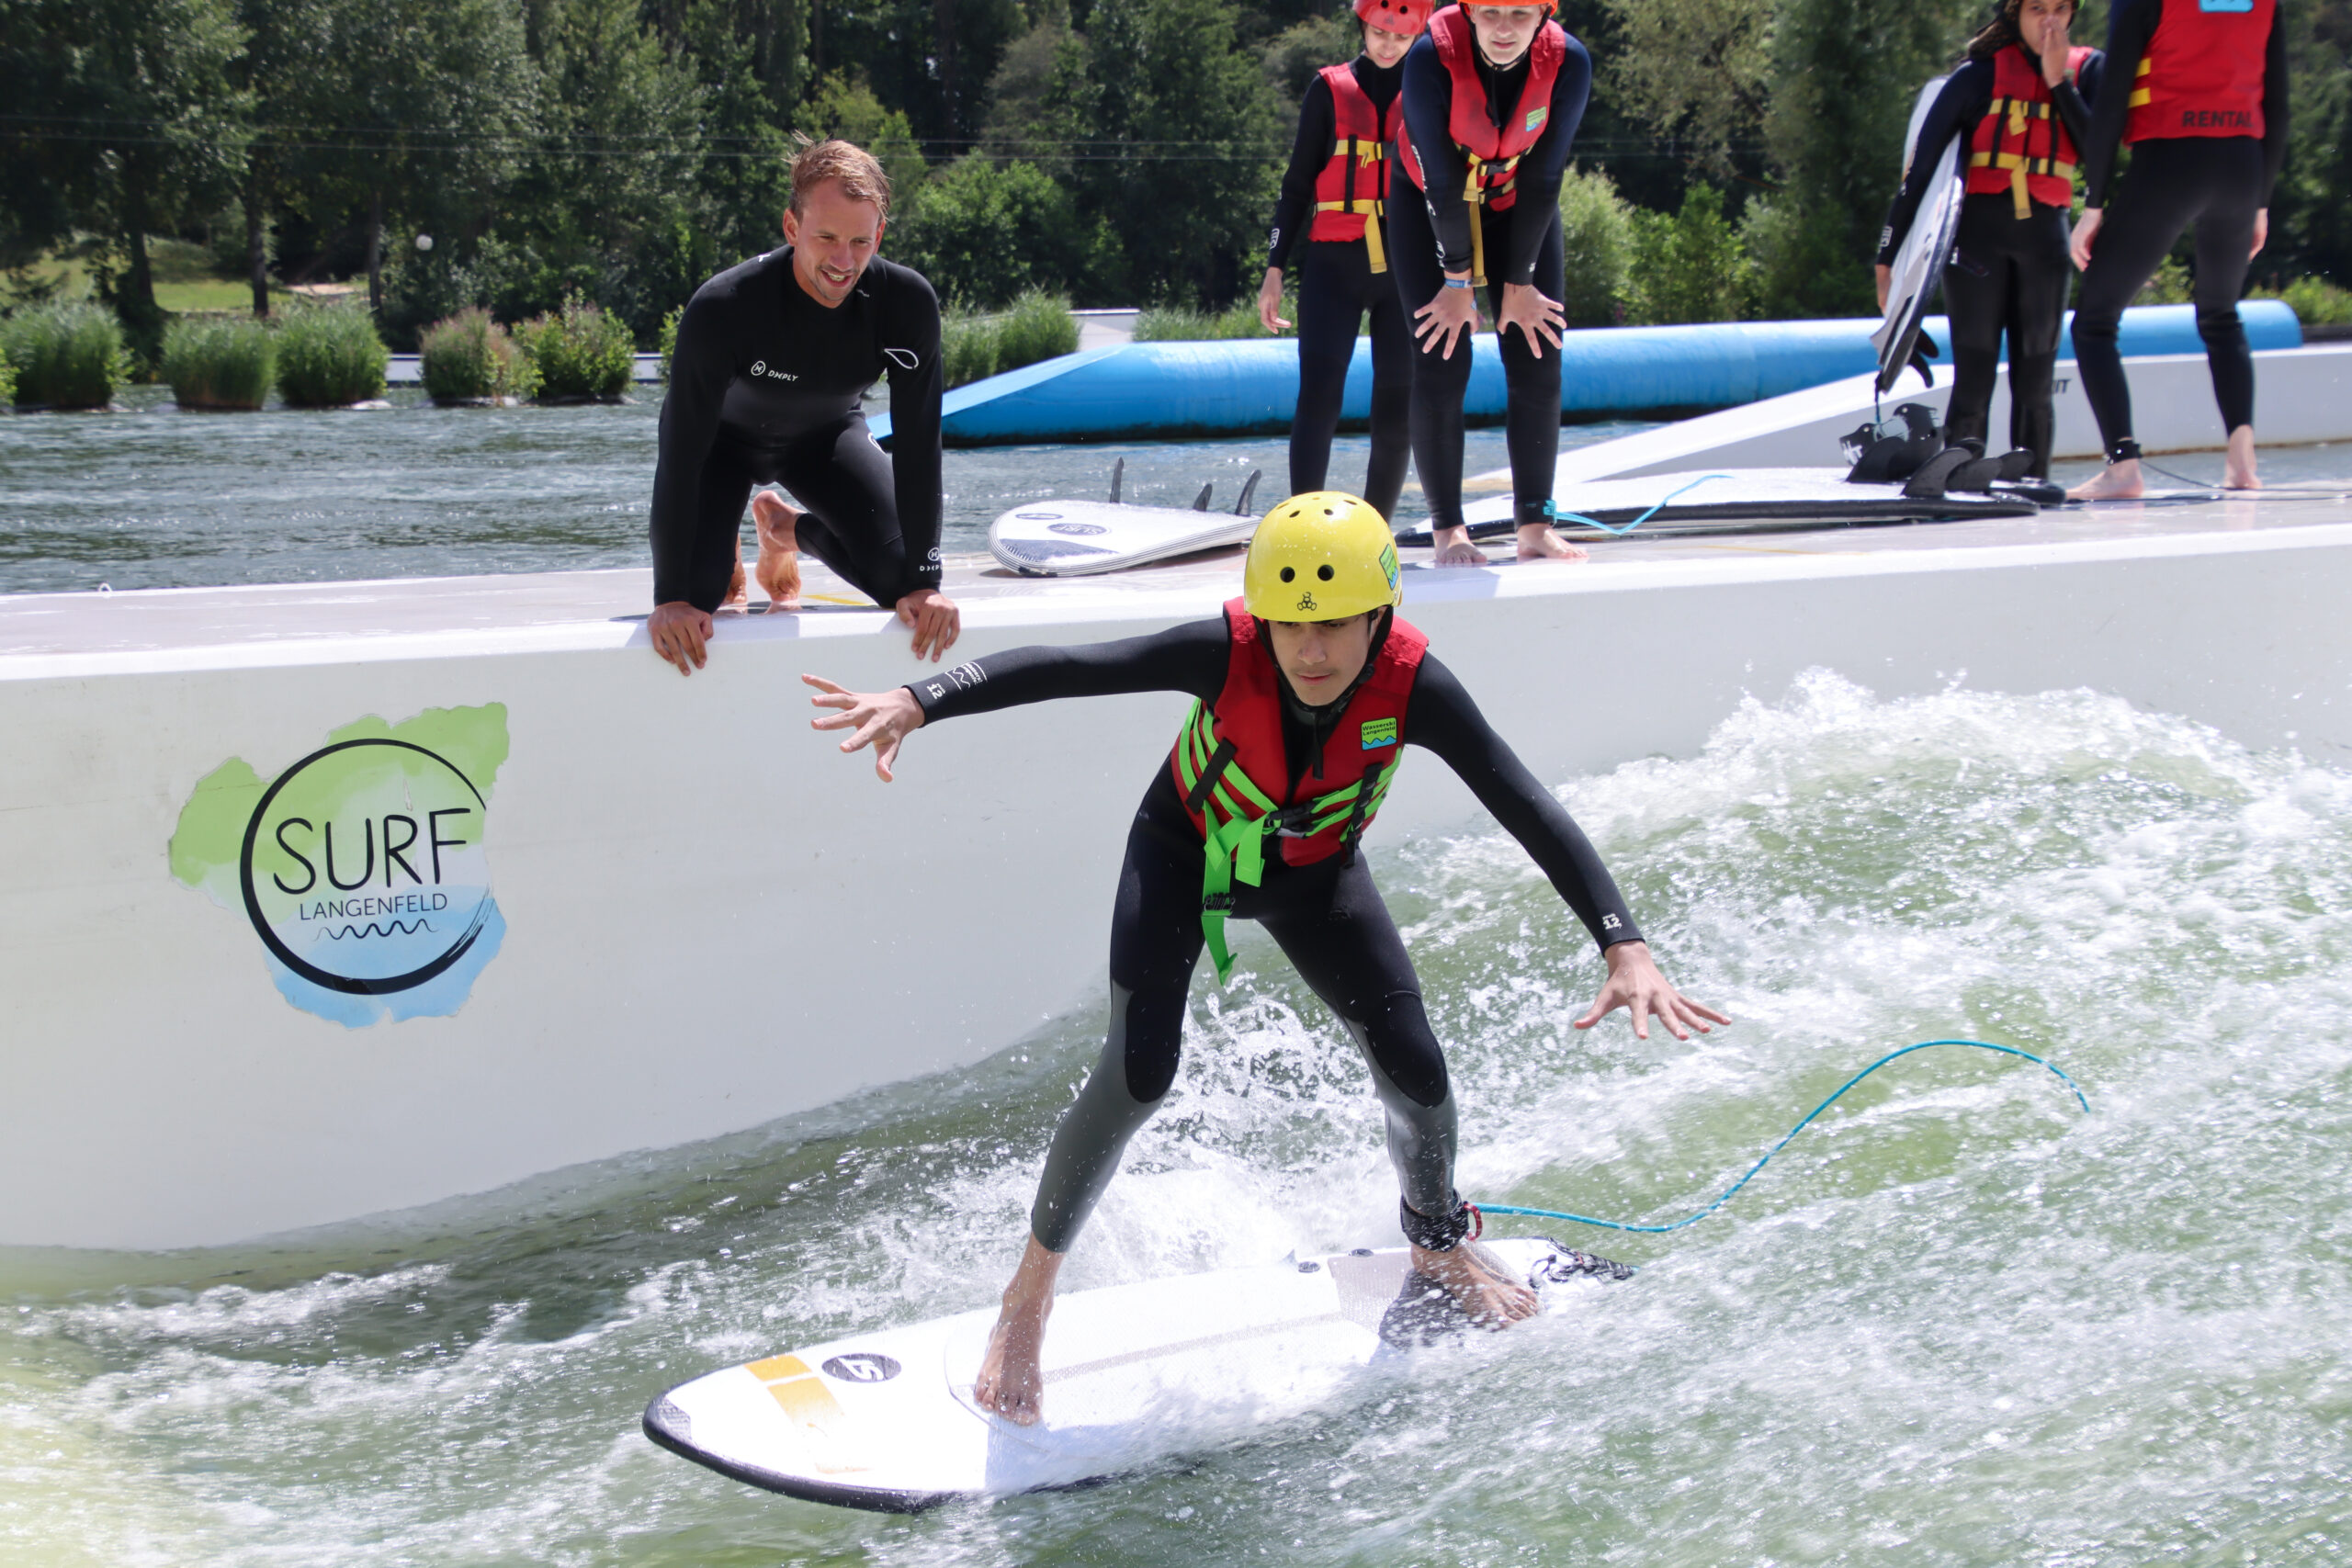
x=1957, y=1323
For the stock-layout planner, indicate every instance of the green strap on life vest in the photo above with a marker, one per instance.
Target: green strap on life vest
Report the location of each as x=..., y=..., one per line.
x=1237, y=828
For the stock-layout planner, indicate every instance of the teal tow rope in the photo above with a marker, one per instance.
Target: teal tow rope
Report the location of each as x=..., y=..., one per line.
x=1776, y=1148
x=1552, y=509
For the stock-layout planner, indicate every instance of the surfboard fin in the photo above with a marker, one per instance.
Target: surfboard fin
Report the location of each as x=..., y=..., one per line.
x=1118, y=472
x=1934, y=477
x=1248, y=486
x=1201, y=501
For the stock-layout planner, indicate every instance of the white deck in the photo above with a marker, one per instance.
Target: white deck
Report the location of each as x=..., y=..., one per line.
x=712, y=919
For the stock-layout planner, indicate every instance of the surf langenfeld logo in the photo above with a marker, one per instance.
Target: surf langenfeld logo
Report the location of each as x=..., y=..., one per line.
x=363, y=868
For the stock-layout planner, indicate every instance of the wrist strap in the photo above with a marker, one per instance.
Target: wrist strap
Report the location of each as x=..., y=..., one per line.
x=1457, y=283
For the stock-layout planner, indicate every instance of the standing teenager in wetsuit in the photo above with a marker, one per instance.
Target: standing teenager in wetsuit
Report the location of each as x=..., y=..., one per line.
x=2022, y=97
x=1306, y=689
x=772, y=358
x=2198, y=92
x=1492, y=96
x=1335, y=190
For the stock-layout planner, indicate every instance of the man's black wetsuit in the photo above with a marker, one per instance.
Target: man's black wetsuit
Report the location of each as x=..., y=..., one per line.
x=2007, y=272
x=1327, y=916
x=1427, y=239
x=2217, y=183
x=1336, y=288
x=763, y=389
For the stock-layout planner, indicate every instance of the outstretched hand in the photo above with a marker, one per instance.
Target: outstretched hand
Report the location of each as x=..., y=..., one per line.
x=1636, y=985
x=880, y=719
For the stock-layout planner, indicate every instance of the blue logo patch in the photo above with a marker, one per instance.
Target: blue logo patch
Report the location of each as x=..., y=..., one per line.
x=2211, y=5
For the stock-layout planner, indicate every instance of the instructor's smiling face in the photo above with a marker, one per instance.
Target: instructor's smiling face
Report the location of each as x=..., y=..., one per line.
x=833, y=237
x=1321, y=659
x=1505, y=31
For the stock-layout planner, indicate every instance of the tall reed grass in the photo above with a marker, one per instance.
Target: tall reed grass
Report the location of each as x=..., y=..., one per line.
x=329, y=357
x=468, y=357
x=581, y=352
x=66, y=356
x=973, y=345
x=213, y=364
x=1178, y=323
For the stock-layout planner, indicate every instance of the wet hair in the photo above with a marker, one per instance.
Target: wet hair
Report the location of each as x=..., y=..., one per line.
x=2002, y=30
x=858, y=171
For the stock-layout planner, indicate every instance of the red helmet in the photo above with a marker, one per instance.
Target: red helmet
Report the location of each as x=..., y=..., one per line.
x=1407, y=16
x=1546, y=7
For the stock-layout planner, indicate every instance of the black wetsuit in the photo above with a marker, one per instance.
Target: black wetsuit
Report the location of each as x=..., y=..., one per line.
x=2007, y=273
x=763, y=389
x=1335, y=288
x=1428, y=238
x=2217, y=183
x=1327, y=917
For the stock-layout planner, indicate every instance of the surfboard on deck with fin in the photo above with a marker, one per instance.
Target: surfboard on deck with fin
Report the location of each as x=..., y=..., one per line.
x=1736, y=501
x=1919, y=261
x=1078, y=538
x=1134, y=1374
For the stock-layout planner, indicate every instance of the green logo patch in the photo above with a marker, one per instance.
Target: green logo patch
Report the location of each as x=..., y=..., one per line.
x=1535, y=117
x=1379, y=732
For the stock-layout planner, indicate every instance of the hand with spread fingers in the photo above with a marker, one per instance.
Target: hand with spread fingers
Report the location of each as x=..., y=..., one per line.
x=1636, y=985
x=1446, y=319
x=879, y=719
x=1539, y=318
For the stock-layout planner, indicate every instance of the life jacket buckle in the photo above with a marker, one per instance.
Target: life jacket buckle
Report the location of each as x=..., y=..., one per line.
x=1293, y=821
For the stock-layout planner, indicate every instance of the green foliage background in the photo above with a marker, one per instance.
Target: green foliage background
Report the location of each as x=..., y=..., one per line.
x=1736, y=159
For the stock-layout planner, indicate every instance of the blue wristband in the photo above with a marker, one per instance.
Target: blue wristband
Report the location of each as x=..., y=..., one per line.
x=1457, y=283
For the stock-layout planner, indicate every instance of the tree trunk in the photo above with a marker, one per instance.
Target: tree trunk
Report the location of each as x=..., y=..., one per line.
x=256, y=240
x=816, y=41
x=376, y=250
x=143, y=319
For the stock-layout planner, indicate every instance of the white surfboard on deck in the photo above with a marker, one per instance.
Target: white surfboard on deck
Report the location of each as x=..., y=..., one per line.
x=1080, y=538
x=1134, y=1374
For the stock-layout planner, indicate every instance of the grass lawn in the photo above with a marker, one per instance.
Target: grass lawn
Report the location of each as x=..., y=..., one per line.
x=184, y=279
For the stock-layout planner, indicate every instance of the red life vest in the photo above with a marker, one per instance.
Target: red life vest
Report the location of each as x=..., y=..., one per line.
x=1352, y=191
x=1494, y=151
x=1230, y=765
x=2021, y=145
x=2202, y=75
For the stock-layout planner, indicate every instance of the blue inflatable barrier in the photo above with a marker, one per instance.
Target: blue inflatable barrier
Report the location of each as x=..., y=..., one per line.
x=1179, y=390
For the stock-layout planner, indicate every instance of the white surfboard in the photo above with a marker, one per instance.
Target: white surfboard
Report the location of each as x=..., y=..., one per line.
x=1733, y=500
x=1919, y=260
x=1134, y=1373
x=1077, y=538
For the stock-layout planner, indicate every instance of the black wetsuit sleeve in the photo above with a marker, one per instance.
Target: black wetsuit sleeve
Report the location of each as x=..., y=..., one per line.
x=2130, y=26
x=1294, y=207
x=1967, y=95
x=700, y=367
x=2275, y=73
x=1191, y=658
x=1428, y=106
x=1443, y=719
x=2074, y=95
x=1535, y=211
x=915, y=396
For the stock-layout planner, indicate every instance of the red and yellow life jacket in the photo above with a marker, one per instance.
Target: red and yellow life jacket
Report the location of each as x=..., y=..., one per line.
x=2021, y=145
x=1230, y=765
x=1351, y=192
x=1494, y=151
x=2203, y=74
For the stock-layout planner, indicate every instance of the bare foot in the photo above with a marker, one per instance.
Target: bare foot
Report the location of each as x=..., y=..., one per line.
x=2237, y=469
x=1488, y=1293
x=2117, y=481
x=1455, y=549
x=739, y=596
x=1012, y=1375
x=778, y=569
x=1539, y=541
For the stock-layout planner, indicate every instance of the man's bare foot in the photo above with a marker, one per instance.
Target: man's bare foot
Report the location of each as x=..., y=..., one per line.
x=2117, y=481
x=1455, y=549
x=739, y=594
x=778, y=569
x=2237, y=469
x=1488, y=1293
x=1012, y=1375
x=1539, y=541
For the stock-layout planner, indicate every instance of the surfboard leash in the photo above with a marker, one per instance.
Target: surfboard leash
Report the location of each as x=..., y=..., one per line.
x=1483, y=1208
x=1552, y=509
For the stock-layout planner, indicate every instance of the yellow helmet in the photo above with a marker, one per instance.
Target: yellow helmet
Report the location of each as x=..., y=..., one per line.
x=1320, y=557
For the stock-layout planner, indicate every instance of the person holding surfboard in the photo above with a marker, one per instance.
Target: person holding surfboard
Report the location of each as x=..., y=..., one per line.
x=2021, y=96
x=1335, y=191
x=2206, y=119
x=1493, y=95
x=1305, y=690
x=772, y=360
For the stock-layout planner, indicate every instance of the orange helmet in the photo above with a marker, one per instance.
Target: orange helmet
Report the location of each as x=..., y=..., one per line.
x=1406, y=16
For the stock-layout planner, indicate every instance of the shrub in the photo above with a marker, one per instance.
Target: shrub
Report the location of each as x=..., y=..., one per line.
x=1178, y=323
x=8, y=381
x=329, y=357
x=992, y=230
x=69, y=357
x=1039, y=326
x=1691, y=266
x=579, y=351
x=217, y=363
x=1599, y=227
x=469, y=356
x=2170, y=284
x=668, y=339
x=2315, y=302
x=967, y=345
